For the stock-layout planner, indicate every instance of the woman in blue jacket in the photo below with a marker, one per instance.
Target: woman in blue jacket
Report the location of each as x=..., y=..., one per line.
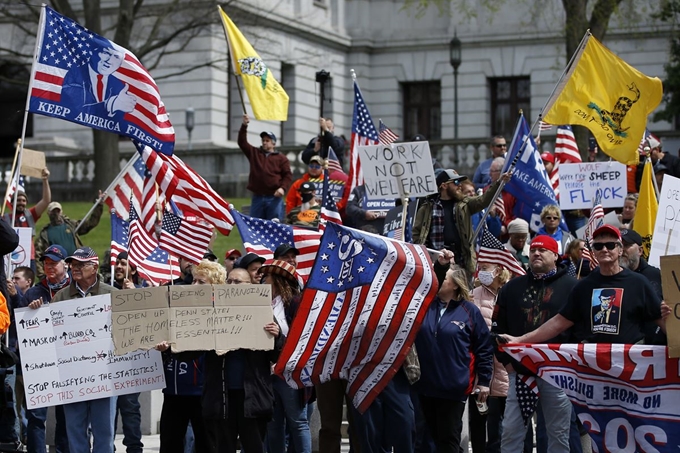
x=455, y=352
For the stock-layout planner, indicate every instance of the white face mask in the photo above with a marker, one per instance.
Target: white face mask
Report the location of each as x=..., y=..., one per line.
x=486, y=278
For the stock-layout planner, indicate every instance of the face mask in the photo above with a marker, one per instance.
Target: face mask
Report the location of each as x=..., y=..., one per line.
x=486, y=277
x=307, y=197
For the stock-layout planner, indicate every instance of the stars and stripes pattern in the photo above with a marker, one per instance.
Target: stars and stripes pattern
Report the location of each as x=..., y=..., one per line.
x=595, y=221
x=65, y=45
x=263, y=236
x=184, y=237
x=157, y=269
x=491, y=250
x=363, y=134
x=385, y=134
x=566, y=149
x=10, y=194
x=147, y=206
x=187, y=189
x=545, y=126
x=527, y=392
x=141, y=243
x=499, y=205
x=646, y=139
x=329, y=210
x=129, y=187
x=333, y=162
x=360, y=312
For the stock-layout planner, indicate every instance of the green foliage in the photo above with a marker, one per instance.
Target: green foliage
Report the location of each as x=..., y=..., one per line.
x=100, y=237
x=670, y=13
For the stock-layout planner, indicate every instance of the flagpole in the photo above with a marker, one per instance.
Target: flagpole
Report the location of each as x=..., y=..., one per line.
x=656, y=186
x=9, y=185
x=229, y=58
x=105, y=194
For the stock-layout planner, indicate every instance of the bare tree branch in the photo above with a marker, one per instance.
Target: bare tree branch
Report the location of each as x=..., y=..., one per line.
x=64, y=7
x=210, y=64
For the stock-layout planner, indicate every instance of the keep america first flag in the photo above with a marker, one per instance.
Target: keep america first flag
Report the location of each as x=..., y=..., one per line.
x=360, y=312
x=64, y=85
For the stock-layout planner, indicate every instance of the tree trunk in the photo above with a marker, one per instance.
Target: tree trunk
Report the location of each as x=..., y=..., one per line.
x=106, y=158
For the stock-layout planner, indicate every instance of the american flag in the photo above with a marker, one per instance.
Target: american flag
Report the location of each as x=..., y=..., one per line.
x=329, y=210
x=129, y=187
x=385, y=134
x=190, y=192
x=61, y=84
x=545, y=126
x=141, y=243
x=363, y=133
x=595, y=221
x=360, y=312
x=184, y=237
x=527, y=392
x=491, y=250
x=157, y=269
x=148, y=204
x=333, y=162
x=566, y=149
x=263, y=236
x=646, y=138
x=499, y=205
x=10, y=195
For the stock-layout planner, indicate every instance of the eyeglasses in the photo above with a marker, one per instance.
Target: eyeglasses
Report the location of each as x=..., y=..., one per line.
x=235, y=281
x=494, y=171
x=500, y=145
x=314, y=166
x=79, y=264
x=549, y=217
x=600, y=245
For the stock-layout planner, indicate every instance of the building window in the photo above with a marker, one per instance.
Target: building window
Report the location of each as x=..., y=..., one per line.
x=508, y=96
x=422, y=110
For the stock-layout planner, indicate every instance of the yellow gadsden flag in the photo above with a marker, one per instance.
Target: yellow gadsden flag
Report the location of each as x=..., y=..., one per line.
x=267, y=97
x=609, y=97
x=647, y=206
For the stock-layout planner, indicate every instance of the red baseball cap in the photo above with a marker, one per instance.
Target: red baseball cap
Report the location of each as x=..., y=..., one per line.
x=544, y=242
x=230, y=252
x=548, y=157
x=607, y=229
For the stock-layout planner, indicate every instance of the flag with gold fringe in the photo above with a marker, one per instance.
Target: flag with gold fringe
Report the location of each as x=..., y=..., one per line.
x=608, y=96
x=647, y=206
x=268, y=99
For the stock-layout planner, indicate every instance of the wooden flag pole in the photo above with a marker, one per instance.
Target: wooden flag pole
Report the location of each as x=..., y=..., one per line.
x=9, y=184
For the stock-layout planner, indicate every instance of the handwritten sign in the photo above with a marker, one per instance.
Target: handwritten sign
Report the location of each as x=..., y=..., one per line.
x=140, y=318
x=670, y=281
x=666, y=237
x=392, y=171
x=21, y=256
x=32, y=163
x=191, y=313
x=241, y=311
x=67, y=355
x=580, y=182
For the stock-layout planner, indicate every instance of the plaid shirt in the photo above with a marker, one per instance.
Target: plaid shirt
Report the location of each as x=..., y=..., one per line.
x=436, y=236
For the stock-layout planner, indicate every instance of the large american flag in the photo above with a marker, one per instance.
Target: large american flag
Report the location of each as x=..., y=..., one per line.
x=329, y=210
x=387, y=137
x=187, y=189
x=184, y=237
x=13, y=188
x=566, y=149
x=128, y=187
x=491, y=250
x=363, y=133
x=63, y=52
x=263, y=236
x=157, y=269
x=360, y=312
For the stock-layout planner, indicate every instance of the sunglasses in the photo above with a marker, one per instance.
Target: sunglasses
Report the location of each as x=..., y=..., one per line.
x=601, y=245
x=314, y=166
x=500, y=145
x=549, y=217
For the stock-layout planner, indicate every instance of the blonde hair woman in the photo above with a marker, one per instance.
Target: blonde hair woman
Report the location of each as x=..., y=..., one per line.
x=551, y=216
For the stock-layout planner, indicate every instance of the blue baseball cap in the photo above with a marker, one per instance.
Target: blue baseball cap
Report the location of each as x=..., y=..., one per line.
x=269, y=134
x=55, y=253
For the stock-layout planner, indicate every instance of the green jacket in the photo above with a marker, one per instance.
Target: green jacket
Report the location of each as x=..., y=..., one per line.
x=71, y=292
x=42, y=242
x=463, y=212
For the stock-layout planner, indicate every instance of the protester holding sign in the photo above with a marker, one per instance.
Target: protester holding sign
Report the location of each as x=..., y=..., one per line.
x=358, y=217
x=96, y=414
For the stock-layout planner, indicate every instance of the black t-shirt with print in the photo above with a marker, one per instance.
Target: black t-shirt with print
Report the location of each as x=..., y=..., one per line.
x=611, y=309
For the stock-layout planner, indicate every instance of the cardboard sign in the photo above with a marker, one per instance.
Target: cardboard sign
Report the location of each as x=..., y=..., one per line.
x=392, y=171
x=191, y=313
x=666, y=236
x=67, y=355
x=670, y=281
x=32, y=163
x=241, y=311
x=579, y=183
x=140, y=318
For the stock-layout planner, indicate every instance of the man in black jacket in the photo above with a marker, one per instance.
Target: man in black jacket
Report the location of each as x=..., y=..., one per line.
x=318, y=146
x=524, y=304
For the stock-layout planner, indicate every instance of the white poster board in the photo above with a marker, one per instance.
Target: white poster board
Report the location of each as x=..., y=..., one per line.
x=21, y=256
x=666, y=236
x=392, y=171
x=611, y=218
x=580, y=182
x=67, y=355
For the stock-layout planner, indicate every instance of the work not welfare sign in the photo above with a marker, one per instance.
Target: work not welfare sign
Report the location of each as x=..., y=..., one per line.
x=625, y=395
x=67, y=355
x=397, y=170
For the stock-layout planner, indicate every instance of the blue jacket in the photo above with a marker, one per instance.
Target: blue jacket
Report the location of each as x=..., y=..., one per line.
x=183, y=377
x=453, y=351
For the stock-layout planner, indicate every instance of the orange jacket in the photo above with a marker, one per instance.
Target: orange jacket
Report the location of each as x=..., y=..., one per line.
x=293, y=198
x=4, y=315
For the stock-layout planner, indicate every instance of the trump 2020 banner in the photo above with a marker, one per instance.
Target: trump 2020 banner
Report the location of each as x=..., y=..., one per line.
x=627, y=396
x=82, y=77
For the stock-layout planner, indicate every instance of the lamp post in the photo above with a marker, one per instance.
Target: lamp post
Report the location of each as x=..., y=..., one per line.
x=455, y=56
x=189, y=122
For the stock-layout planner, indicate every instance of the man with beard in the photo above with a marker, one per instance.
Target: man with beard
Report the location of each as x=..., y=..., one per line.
x=56, y=278
x=28, y=217
x=445, y=221
x=125, y=275
x=62, y=231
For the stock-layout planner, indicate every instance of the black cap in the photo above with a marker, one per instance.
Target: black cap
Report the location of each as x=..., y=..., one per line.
x=629, y=236
x=248, y=259
x=285, y=248
x=449, y=175
x=307, y=187
x=209, y=255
